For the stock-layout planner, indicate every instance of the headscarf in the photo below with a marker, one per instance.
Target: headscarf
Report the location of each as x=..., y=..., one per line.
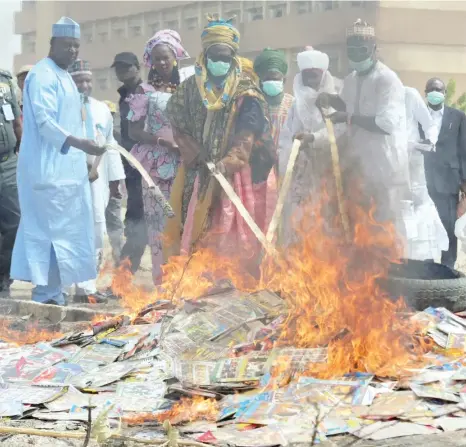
x=167, y=37
x=305, y=97
x=218, y=32
x=270, y=60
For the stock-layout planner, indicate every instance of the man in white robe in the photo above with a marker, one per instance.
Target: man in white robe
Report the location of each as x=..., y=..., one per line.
x=372, y=104
x=305, y=122
x=431, y=238
x=54, y=247
x=97, y=125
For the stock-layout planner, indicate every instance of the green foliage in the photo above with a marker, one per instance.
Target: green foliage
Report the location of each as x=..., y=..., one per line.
x=460, y=102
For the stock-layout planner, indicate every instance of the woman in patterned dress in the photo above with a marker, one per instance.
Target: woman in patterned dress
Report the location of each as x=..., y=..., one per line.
x=149, y=125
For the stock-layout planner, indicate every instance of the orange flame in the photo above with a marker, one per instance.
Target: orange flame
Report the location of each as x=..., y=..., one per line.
x=331, y=287
x=185, y=410
x=32, y=334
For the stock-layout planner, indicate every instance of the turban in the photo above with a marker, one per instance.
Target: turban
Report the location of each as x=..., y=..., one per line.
x=220, y=32
x=79, y=67
x=361, y=29
x=270, y=60
x=167, y=37
x=66, y=27
x=312, y=59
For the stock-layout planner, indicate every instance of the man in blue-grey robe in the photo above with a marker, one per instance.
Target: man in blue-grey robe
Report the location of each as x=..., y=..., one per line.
x=54, y=246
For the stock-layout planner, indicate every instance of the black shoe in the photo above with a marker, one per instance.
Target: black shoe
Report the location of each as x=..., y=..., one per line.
x=54, y=303
x=94, y=298
x=5, y=284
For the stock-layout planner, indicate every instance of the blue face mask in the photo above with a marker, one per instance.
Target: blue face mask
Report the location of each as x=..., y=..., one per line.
x=218, y=68
x=272, y=88
x=361, y=66
x=435, y=98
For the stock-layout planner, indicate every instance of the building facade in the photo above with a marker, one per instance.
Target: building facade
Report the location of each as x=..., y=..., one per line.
x=418, y=39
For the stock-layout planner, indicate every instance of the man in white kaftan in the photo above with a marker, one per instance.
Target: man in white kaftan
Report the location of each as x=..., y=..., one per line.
x=431, y=238
x=372, y=104
x=306, y=123
x=97, y=125
x=54, y=246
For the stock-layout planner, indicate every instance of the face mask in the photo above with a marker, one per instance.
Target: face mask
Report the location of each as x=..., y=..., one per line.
x=272, y=88
x=218, y=68
x=435, y=98
x=362, y=66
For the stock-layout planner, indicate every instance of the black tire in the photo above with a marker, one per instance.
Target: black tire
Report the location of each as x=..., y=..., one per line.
x=427, y=284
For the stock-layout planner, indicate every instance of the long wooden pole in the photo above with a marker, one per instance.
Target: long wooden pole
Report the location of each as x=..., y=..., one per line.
x=230, y=192
x=155, y=190
x=337, y=176
x=82, y=435
x=277, y=214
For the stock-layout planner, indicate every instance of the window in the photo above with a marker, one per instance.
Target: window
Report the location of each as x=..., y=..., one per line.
x=87, y=32
x=102, y=28
x=119, y=33
x=328, y=5
x=171, y=24
x=277, y=11
x=135, y=25
x=255, y=14
x=135, y=30
x=154, y=27
x=191, y=23
x=302, y=7
x=103, y=36
x=29, y=43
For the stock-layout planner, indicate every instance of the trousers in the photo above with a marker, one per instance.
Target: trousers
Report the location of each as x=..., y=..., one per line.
x=9, y=215
x=54, y=289
x=447, y=205
x=135, y=225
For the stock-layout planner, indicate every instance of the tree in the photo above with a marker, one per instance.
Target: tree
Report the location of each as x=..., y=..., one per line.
x=460, y=103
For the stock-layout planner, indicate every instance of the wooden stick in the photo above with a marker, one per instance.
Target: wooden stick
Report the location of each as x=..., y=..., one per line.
x=337, y=175
x=285, y=187
x=36, y=432
x=158, y=195
x=82, y=435
x=230, y=192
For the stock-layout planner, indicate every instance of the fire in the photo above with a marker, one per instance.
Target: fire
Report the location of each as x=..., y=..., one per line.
x=185, y=410
x=91, y=299
x=31, y=334
x=185, y=277
x=331, y=287
x=336, y=301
